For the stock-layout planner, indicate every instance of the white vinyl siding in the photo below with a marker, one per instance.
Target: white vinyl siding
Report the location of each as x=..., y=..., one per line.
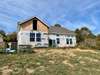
x=41, y=40
x=65, y=40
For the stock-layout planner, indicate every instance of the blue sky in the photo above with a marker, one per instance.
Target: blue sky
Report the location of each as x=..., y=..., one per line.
x=71, y=14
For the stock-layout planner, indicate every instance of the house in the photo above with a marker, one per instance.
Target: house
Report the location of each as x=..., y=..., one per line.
x=1, y=41
x=33, y=32
x=61, y=37
x=36, y=33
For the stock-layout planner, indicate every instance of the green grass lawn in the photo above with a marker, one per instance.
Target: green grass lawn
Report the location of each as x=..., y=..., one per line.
x=52, y=62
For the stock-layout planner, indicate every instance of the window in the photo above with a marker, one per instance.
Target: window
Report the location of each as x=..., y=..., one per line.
x=67, y=41
x=70, y=41
x=32, y=37
x=57, y=34
x=38, y=37
x=58, y=40
x=34, y=24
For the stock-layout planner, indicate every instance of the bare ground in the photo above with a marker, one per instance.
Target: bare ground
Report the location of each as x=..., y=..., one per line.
x=56, y=61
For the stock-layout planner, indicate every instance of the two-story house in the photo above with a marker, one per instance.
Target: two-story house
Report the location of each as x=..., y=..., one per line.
x=36, y=33
x=33, y=32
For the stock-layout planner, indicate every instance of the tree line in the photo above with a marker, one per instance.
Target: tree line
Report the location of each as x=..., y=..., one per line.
x=85, y=38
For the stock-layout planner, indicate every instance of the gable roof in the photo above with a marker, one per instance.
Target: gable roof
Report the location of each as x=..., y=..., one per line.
x=24, y=21
x=60, y=30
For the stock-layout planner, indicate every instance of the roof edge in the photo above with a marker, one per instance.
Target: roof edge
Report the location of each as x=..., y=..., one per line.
x=24, y=21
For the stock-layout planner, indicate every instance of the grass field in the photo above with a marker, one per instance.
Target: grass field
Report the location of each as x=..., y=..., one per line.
x=51, y=62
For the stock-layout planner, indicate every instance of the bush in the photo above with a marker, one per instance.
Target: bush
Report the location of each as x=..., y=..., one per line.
x=2, y=50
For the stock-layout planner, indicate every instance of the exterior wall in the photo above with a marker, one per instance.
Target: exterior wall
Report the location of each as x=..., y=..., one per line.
x=29, y=25
x=63, y=40
x=24, y=39
x=41, y=27
x=26, y=26
x=24, y=34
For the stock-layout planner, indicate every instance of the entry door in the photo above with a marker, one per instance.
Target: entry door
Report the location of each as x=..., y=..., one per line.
x=52, y=43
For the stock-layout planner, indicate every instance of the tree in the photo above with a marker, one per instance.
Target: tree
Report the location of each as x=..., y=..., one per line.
x=12, y=37
x=78, y=36
x=57, y=25
x=2, y=33
x=86, y=33
x=98, y=41
x=83, y=34
x=98, y=37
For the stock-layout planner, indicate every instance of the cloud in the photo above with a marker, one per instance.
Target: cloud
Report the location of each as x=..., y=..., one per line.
x=69, y=13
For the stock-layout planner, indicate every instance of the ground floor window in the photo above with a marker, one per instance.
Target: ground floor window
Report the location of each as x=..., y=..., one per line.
x=69, y=41
x=38, y=37
x=58, y=41
x=35, y=37
x=32, y=37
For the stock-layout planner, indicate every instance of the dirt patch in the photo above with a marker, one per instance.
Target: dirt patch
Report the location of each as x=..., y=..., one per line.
x=91, y=59
x=82, y=62
x=30, y=71
x=67, y=63
x=51, y=61
x=87, y=50
x=5, y=70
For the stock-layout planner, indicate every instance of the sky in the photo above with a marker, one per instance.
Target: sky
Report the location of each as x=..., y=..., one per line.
x=71, y=14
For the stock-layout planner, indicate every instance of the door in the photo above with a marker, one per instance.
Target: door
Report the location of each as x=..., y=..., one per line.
x=52, y=43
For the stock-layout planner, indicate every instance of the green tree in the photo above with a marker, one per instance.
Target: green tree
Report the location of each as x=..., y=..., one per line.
x=83, y=34
x=98, y=41
x=79, y=36
x=3, y=35
x=86, y=33
x=12, y=37
x=57, y=25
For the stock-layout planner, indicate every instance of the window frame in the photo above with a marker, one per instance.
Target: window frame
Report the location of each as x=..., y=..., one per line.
x=71, y=41
x=38, y=38
x=67, y=41
x=32, y=37
x=34, y=24
x=58, y=40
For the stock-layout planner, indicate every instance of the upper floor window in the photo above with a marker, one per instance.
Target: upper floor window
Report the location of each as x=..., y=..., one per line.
x=38, y=37
x=58, y=41
x=34, y=24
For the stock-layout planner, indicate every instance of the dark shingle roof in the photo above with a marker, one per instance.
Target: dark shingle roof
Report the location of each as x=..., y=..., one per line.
x=60, y=30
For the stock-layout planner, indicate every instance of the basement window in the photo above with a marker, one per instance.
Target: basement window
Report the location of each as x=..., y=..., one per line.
x=34, y=24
